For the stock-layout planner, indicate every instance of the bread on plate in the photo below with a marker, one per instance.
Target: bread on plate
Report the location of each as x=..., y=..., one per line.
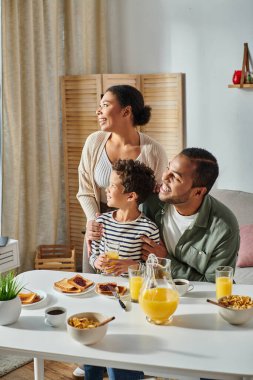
x=79, y=282
x=107, y=287
x=29, y=298
x=76, y=284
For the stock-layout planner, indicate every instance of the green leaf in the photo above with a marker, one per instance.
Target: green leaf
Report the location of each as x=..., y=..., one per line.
x=9, y=286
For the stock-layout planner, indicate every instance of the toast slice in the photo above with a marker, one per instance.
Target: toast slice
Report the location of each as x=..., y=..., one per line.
x=65, y=287
x=105, y=288
x=29, y=298
x=79, y=282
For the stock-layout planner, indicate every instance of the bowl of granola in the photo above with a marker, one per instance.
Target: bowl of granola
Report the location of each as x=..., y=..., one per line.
x=85, y=328
x=236, y=309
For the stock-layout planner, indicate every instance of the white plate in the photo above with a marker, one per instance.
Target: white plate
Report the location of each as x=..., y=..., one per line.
x=112, y=297
x=43, y=296
x=77, y=294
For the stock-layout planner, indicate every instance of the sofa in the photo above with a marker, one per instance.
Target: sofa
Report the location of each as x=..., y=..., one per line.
x=241, y=204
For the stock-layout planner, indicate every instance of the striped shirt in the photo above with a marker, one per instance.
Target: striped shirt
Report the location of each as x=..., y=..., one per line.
x=127, y=234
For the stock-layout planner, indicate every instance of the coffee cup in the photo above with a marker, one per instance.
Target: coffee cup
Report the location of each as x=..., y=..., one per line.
x=55, y=316
x=183, y=286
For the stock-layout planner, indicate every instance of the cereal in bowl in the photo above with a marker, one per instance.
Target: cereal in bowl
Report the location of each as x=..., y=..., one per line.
x=237, y=302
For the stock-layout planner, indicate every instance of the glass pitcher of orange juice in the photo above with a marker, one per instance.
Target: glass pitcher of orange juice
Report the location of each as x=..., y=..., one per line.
x=158, y=296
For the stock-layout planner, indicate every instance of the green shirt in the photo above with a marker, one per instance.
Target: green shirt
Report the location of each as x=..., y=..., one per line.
x=211, y=241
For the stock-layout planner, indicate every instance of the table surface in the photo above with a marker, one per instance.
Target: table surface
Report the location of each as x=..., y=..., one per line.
x=197, y=342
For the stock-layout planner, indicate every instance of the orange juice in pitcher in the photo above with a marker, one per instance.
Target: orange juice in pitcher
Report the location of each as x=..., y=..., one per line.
x=159, y=303
x=159, y=297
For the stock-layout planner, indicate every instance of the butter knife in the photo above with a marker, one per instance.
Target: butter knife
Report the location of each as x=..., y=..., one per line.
x=117, y=296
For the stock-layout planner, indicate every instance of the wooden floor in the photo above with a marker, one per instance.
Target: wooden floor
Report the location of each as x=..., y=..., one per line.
x=53, y=371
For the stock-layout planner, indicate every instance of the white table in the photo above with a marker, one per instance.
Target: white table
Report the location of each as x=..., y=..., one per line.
x=197, y=343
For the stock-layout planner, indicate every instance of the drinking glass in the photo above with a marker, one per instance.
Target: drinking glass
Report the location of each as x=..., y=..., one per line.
x=111, y=249
x=136, y=278
x=224, y=281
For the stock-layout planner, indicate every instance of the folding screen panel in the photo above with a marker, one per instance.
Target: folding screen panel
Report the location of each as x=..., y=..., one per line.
x=80, y=98
x=164, y=93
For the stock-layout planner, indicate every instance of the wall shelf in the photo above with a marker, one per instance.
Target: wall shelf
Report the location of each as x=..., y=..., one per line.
x=245, y=69
x=245, y=85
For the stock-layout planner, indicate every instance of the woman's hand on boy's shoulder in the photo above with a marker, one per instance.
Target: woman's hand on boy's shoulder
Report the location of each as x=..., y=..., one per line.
x=150, y=246
x=94, y=231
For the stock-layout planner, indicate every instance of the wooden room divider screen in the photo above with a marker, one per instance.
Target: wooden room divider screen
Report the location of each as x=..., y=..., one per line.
x=80, y=98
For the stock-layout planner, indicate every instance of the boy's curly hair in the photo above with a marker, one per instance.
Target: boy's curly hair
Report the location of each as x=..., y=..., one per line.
x=136, y=177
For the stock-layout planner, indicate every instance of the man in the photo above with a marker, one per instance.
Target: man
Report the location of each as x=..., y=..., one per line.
x=199, y=232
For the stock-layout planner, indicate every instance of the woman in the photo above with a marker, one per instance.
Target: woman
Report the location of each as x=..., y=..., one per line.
x=121, y=110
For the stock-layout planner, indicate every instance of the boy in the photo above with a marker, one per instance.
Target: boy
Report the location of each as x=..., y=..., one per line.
x=131, y=182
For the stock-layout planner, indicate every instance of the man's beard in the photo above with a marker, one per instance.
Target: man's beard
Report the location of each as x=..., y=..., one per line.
x=175, y=200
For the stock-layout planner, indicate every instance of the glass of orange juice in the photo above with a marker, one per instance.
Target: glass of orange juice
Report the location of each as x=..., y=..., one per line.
x=136, y=278
x=111, y=249
x=224, y=281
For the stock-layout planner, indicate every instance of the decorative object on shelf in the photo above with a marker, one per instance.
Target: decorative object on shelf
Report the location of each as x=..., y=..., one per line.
x=237, y=76
x=249, y=77
x=243, y=78
x=10, y=304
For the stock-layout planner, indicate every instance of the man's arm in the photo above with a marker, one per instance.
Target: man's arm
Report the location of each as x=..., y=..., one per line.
x=150, y=246
x=225, y=253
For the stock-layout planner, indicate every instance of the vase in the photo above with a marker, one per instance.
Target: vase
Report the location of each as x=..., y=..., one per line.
x=10, y=311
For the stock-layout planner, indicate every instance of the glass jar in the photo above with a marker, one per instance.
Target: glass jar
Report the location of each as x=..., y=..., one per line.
x=158, y=296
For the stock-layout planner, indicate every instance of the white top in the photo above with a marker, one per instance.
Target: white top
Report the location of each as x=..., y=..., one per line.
x=198, y=342
x=152, y=155
x=174, y=225
x=103, y=171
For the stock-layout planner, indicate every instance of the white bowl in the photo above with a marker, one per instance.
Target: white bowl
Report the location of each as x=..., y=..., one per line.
x=89, y=335
x=234, y=316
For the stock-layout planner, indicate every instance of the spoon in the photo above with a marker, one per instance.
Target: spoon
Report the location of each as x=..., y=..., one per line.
x=217, y=304
x=105, y=321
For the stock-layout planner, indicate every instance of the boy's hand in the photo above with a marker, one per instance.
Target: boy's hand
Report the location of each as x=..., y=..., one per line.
x=101, y=262
x=149, y=246
x=118, y=267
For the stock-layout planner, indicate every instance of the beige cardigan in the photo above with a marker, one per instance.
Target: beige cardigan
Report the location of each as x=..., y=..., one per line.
x=153, y=155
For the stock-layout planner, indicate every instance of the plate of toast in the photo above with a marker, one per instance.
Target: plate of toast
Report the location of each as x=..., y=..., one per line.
x=105, y=289
x=33, y=298
x=74, y=286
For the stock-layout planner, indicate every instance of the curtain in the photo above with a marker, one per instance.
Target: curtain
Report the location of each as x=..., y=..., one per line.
x=42, y=40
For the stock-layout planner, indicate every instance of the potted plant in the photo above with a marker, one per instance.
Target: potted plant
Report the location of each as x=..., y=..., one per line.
x=10, y=304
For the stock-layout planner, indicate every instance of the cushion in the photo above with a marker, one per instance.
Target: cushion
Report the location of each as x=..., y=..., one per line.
x=245, y=255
